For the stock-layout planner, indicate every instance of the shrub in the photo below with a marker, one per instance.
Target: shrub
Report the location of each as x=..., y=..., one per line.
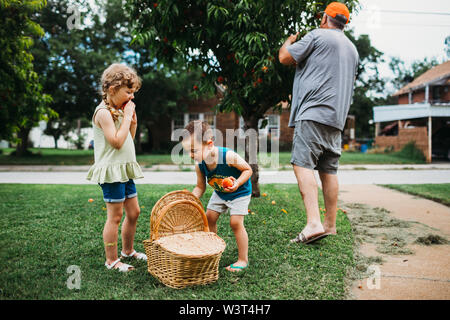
x=411, y=151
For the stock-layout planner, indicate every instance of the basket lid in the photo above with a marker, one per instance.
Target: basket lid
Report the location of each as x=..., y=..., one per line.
x=168, y=199
x=193, y=245
x=173, y=196
x=181, y=216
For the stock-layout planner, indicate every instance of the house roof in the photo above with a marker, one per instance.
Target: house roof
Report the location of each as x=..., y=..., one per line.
x=409, y=111
x=439, y=72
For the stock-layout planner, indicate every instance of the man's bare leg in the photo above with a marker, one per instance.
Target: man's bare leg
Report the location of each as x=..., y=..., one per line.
x=330, y=189
x=309, y=191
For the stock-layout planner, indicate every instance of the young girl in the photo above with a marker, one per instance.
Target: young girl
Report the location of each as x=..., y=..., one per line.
x=216, y=164
x=114, y=122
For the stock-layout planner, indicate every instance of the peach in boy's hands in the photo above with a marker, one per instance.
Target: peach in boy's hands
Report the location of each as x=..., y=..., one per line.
x=230, y=184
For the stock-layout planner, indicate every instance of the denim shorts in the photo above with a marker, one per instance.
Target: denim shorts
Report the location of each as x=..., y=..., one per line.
x=118, y=191
x=316, y=146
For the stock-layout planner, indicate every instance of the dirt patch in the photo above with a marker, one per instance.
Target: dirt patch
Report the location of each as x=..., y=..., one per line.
x=389, y=234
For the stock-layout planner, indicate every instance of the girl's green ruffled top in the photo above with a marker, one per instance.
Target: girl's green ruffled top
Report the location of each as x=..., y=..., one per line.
x=111, y=164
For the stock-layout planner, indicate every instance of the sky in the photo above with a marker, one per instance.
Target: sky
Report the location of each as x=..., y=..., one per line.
x=407, y=29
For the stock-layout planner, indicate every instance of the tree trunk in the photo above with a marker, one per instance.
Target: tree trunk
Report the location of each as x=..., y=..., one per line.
x=56, y=141
x=153, y=141
x=22, y=145
x=137, y=141
x=251, y=152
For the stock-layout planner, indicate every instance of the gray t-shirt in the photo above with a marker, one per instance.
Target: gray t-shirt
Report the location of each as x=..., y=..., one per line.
x=323, y=85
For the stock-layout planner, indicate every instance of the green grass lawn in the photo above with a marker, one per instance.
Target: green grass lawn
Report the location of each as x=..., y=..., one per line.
x=436, y=192
x=86, y=157
x=47, y=228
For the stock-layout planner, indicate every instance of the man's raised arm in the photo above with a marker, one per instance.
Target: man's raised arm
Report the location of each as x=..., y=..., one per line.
x=283, y=55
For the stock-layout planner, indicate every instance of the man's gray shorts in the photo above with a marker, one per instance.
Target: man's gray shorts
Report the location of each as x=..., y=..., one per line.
x=316, y=146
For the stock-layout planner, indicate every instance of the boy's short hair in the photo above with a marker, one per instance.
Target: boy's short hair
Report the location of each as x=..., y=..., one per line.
x=201, y=131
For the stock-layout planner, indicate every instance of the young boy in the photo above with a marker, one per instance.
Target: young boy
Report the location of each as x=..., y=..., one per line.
x=214, y=164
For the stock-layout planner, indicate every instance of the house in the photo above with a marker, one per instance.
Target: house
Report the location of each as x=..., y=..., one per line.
x=422, y=115
x=203, y=109
x=276, y=127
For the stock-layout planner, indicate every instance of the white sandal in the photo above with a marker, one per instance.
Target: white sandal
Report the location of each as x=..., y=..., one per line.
x=134, y=254
x=123, y=268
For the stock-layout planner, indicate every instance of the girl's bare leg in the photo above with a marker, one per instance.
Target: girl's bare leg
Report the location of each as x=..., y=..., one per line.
x=132, y=212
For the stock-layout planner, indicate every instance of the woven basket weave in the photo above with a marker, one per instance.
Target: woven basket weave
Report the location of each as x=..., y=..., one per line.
x=181, y=252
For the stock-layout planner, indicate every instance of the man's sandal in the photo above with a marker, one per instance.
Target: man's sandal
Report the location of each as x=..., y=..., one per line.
x=301, y=238
x=134, y=254
x=122, y=268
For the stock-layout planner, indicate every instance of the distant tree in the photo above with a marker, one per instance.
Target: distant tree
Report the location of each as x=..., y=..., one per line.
x=236, y=44
x=71, y=61
x=447, y=47
x=404, y=74
x=71, y=58
x=162, y=97
x=369, y=85
x=23, y=101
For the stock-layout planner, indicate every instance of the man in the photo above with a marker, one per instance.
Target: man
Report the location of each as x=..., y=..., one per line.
x=326, y=63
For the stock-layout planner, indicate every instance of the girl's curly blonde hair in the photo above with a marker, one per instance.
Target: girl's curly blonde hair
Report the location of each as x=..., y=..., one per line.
x=116, y=76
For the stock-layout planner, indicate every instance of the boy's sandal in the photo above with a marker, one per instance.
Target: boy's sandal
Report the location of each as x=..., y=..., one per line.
x=134, y=254
x=301, y=238
x=232, y=266
x=122, y=268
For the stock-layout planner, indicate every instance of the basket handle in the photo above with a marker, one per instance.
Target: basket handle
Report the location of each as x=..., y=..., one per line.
x=155, y=234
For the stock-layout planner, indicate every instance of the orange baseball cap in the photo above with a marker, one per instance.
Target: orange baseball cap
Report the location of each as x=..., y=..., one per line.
x=338, y=11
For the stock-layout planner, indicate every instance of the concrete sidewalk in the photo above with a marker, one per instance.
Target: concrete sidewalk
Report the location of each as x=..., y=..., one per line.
x=286, y=176
x=171, y=167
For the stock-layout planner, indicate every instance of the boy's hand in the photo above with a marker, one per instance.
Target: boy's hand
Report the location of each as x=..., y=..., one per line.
x=234, y=187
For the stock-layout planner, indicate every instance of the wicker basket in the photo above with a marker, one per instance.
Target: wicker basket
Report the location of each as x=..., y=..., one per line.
x=181, y=252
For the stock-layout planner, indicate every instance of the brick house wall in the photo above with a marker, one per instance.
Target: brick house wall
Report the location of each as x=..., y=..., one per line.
x=230, y=120
x=437, y=94
x=405, y=135
x=445, y=93
x=403, y=99
x=418, y=96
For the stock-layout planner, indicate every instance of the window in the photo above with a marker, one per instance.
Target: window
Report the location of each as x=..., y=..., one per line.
x=272, y=127
x=210, y=118
x=193, y=116
x=180, y=121
x=436, y=94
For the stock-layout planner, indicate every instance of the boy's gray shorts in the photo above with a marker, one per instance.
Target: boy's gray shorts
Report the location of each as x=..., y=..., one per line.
x=316, y=146
x=238, y=206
